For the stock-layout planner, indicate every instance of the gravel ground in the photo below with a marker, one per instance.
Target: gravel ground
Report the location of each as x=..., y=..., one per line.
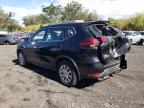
x=34, y=87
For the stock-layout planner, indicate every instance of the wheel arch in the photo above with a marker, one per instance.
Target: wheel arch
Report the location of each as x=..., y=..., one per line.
x=7, y=41
x=61, y=58
x=19, y=50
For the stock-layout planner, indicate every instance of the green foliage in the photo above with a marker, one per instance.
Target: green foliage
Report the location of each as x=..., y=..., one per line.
x=73, y=11
x=6, y=22
x=52, y=12
x=135, y=22
x=34, y=19
x=3, y=19
x=56, y=13
x=31, y=28
x=76, y=11
x=13, y=25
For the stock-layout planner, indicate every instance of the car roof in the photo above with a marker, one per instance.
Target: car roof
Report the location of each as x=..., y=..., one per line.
x=130, y=31
x=4, y=34
x=77, y=23
x=64, y=24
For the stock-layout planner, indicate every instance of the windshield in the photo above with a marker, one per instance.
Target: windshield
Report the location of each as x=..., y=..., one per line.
x=10, y=36
x=142, y=33
x=136, y=33
x=128, y=33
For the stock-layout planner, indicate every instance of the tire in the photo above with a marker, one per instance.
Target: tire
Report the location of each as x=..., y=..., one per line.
x=131, y=41
x=67, y=73
x=7, y=43
x=22, y=59
x=140, y=42
x=143, y=43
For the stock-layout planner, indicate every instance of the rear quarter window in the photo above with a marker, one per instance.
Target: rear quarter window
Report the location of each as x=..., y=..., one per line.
x=71, y=31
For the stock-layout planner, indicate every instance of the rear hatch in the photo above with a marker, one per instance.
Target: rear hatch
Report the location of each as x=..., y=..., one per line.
x=112, y=44
x=117, y=41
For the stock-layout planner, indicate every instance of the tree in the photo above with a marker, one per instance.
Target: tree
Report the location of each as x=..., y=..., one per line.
x=135, y=23
x=76, y=11
x=72, y=11
x=3, y=19
x=13, y=25
x=35, y=19
x=53, y=12
x=6, y=21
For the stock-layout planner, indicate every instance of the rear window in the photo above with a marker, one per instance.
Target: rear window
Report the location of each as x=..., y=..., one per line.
x=142, y=33
x=93, y=30
x=107, y=30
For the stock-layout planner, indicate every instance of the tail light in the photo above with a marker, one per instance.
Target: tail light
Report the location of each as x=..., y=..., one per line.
x=90, y=42
x=97, y=74
x=103, y=39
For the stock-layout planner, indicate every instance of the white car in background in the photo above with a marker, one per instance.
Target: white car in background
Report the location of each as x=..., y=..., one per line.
x=3, y=32
x=142, y=33
x=134, y=36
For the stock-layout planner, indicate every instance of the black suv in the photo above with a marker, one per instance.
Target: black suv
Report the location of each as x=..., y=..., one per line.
x=75, y=51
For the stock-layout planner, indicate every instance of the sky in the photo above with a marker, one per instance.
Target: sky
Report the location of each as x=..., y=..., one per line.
x=105, y=8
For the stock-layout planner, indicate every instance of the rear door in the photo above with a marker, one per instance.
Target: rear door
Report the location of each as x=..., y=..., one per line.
x=117, y=41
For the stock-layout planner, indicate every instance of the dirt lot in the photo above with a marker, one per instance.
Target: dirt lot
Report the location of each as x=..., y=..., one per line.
x=34, y=87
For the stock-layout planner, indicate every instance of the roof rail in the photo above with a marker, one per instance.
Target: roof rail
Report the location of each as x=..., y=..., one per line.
x=64, y=22
x=74, y=21
x=99, y=22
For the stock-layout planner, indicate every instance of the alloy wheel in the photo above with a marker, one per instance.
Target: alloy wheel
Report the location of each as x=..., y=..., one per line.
x=65, y=73
x=21, y=59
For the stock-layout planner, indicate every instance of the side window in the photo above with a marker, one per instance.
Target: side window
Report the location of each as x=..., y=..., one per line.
x=1, y=36
x=55, y=34
x=71, y=32
x=39, y=36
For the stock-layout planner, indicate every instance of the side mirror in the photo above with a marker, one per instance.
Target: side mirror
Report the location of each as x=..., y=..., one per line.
x=26, y=39
x=124, y=34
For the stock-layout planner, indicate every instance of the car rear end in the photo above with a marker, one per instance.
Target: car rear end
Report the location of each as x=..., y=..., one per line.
x=104, y=53
x=12, y=39
x=142, y=39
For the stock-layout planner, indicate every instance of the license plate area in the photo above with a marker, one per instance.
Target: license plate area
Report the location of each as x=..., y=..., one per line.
x=110, y=70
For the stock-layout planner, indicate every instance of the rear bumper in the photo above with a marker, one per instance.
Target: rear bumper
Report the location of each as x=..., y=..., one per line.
x=98, y=70
x=14, y=42
x=106, y=72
